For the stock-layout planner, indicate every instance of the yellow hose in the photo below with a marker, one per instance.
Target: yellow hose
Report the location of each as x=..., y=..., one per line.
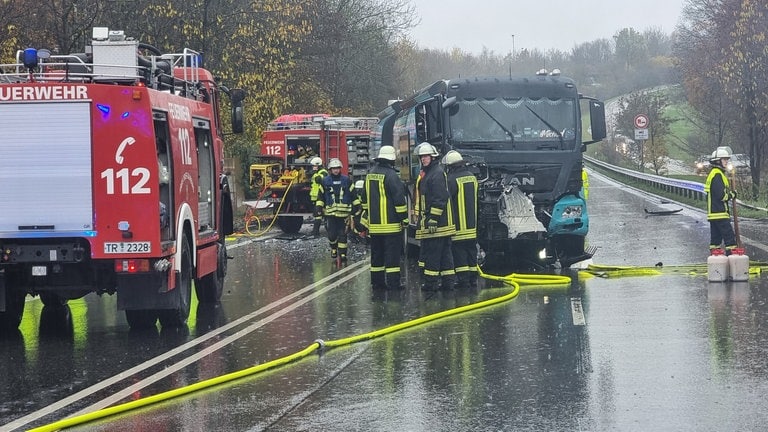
x=515, y=280
x=274, y=217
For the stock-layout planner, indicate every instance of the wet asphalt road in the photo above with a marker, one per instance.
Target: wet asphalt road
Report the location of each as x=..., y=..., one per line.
x=664, y=352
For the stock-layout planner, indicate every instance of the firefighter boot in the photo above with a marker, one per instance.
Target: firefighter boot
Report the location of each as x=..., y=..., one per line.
x=316, y=226
x=448, y=283
x=473, y=280
x=343, y=254
x=430, y=283
x=334, y=253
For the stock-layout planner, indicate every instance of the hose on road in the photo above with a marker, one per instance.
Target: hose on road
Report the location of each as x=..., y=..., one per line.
x=514, y=280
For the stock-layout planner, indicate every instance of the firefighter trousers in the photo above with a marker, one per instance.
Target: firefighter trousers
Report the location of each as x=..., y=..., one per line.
x=465, y=261
x=337, y=235
x=437, y=258
x=386, y=251
x=721, y=231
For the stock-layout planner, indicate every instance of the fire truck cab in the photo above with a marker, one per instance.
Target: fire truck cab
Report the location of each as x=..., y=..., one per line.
x=283, y=172
x=111, y=170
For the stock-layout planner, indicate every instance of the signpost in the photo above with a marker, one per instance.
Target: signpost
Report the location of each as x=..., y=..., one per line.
x=641, y=134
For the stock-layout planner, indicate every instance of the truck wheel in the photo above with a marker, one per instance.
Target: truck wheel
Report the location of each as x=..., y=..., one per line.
x=210, y=287
x=14, y=309
x=290, y=224
x=141, y=319
x=178, y=317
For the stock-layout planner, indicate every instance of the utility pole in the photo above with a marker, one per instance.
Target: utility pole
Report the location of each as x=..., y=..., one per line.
x=511, y=56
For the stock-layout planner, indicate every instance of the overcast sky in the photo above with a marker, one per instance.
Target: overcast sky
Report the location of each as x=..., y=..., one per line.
x=543, y=24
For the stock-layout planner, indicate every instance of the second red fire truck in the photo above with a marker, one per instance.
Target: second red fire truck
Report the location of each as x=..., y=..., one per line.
x=282, y=174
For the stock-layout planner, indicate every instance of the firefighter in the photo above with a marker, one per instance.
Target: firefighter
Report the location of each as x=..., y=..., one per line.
x=316, y=182
x=435, y=226
x=358, y=223
x=335, y=201
x=387, y=215
x=719, y=193
x=462, y=186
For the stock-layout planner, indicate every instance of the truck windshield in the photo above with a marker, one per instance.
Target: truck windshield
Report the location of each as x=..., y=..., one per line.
x=520, y=123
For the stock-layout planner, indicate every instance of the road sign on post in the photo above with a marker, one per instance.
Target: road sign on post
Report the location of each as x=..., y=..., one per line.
x=641, y=121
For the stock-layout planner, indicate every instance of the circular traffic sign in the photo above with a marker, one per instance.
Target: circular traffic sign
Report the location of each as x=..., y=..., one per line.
x=641, y=121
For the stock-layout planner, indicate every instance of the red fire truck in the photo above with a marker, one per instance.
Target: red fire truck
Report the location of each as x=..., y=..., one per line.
x=282, y=174
x=111, y=179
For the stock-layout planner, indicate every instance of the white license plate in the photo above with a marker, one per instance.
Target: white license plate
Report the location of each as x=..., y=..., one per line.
x=127, y=247
x=39, y=270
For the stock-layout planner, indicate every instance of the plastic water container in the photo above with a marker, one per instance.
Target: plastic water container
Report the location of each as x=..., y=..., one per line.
x=717, y=266
x=738, y=265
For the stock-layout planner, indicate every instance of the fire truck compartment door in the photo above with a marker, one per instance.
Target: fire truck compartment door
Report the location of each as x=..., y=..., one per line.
x=45, y=167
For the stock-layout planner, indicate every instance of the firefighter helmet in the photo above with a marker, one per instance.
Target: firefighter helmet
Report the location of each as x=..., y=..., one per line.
x=452, y=158
x=720, y=153
x=387, y=153
x=425, y=149
x=334, y=163
x=316, y=161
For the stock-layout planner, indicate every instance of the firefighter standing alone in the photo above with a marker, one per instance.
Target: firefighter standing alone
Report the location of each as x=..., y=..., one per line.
x=719, y=193
x=335, y=203
x=462, y=186
x=436, y=225
x=316, y=183
x=387, y=214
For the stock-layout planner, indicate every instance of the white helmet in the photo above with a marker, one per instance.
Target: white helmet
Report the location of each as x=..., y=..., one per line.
x=426, y=148
x=387, y=153
x=721, y=152
x=359, y=184
x=452, y=157
x=316, y=161
x=334, y=163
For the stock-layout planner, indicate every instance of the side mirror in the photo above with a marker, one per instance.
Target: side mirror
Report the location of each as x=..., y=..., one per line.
x=596, y=120
x=237, y=96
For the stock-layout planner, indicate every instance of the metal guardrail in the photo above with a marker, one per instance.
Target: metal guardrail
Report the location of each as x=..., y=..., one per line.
x=684, y=188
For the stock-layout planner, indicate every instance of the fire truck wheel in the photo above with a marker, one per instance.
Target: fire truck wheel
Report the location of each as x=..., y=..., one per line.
x=210, y=287
x=14, y=309
x=290, y=224
x=178, y=317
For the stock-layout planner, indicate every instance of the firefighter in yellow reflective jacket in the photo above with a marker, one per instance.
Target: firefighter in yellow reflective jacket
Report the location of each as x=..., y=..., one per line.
x=436, y=224
x=316, y=182
x=335, y=201
x=719, y=193
x=387, y=214
x=462, y=186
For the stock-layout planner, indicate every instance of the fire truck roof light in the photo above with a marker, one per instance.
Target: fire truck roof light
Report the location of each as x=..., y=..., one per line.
x=30, y=58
